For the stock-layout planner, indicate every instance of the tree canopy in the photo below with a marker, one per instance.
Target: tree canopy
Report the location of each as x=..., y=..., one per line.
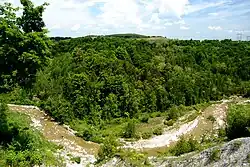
x=24, y=46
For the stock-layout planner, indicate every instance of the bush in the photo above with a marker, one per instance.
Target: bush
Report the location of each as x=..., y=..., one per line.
x=108, y=149
x=76, y=160
x=155, y=114
x=211, y=118
x=144, y=119
x=215, y=155
x=174, y=112
x=129, y=131
x=248, y=158
x=134, y=159
x=184, y=146
x=158, y=131
x=236, y=145
x=222, y=133
x=169, y=123
x=238, y=121
x=146, y=135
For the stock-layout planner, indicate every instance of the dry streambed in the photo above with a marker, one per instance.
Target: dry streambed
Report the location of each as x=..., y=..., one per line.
x=73, y=146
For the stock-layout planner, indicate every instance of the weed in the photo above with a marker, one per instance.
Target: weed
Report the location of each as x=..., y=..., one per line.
x=76, y=160
x=147, y=135
x=169, y=123
x=144, y=119
x=211, y=118
x=215, y=155
x=158, y=131
x=248, y=158
x=236, y=145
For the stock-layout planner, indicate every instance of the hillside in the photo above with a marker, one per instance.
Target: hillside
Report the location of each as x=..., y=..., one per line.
x=124, y=95
x=235, y=153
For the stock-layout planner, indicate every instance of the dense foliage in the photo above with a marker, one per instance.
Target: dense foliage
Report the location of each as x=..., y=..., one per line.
x=24, y=46
x=95, y=81
x=238, y=121
x=104, y=78
x=184, y=146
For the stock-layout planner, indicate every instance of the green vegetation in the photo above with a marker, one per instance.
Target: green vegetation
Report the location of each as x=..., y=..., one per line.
x=158, y=131
x=184, y=146
x=236, y=145
x=211, y=118
x=76, y=160
x=248, y=158
x=108, y=149
x=111, y=86
x=147, y=135
x=21, y=145
x=128, y=36
x=215, y=155
x=238, y=121
x=134, y=159
x=24, y=46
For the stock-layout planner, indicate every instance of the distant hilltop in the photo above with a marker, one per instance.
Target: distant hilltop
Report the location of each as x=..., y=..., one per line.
x=128, y=35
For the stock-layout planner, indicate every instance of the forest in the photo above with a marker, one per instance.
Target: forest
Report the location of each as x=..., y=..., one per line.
x=96, y=82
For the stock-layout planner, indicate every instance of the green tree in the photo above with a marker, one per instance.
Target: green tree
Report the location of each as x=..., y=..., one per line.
x=23, y=43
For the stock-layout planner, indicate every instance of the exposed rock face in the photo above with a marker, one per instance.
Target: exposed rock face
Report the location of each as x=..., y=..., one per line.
x=235, y=153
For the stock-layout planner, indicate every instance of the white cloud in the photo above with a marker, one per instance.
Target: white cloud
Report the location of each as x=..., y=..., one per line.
x=213, y=14
x=180, y=22
x=55, y=27
x=143, y=16
x=201, y=6
x=76, y=27
x=155, y=18
x=214, y=28
x=184, y=28
x=168, y=24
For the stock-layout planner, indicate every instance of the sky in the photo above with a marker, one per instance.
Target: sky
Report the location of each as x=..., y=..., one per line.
x=182, y=19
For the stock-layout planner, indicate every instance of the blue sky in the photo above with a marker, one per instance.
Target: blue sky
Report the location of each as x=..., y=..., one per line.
x=183, y=19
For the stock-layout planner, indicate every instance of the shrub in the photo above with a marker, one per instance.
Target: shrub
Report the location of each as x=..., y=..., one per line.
x=215, y=155
x=108, y=149
x=146, y=135
x=248, y=158
x=134, y=159
x=222, y=133
x=158, y=131
x=236, y=145
x=184, y=146
x=144, y=119
x=155, y=114
x=238, y=121
x=129, y=131
x=76, y=159
x=211, y=118
x=169, y=123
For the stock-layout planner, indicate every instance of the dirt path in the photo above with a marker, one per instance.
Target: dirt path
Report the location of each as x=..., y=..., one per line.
x=196, y=128
x=61, y=135
x=165, y=139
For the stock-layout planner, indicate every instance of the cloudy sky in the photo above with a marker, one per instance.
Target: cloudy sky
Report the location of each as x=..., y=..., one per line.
x=184, y=19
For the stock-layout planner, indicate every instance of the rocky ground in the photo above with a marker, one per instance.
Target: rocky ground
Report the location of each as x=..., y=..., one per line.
x=235, y=153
